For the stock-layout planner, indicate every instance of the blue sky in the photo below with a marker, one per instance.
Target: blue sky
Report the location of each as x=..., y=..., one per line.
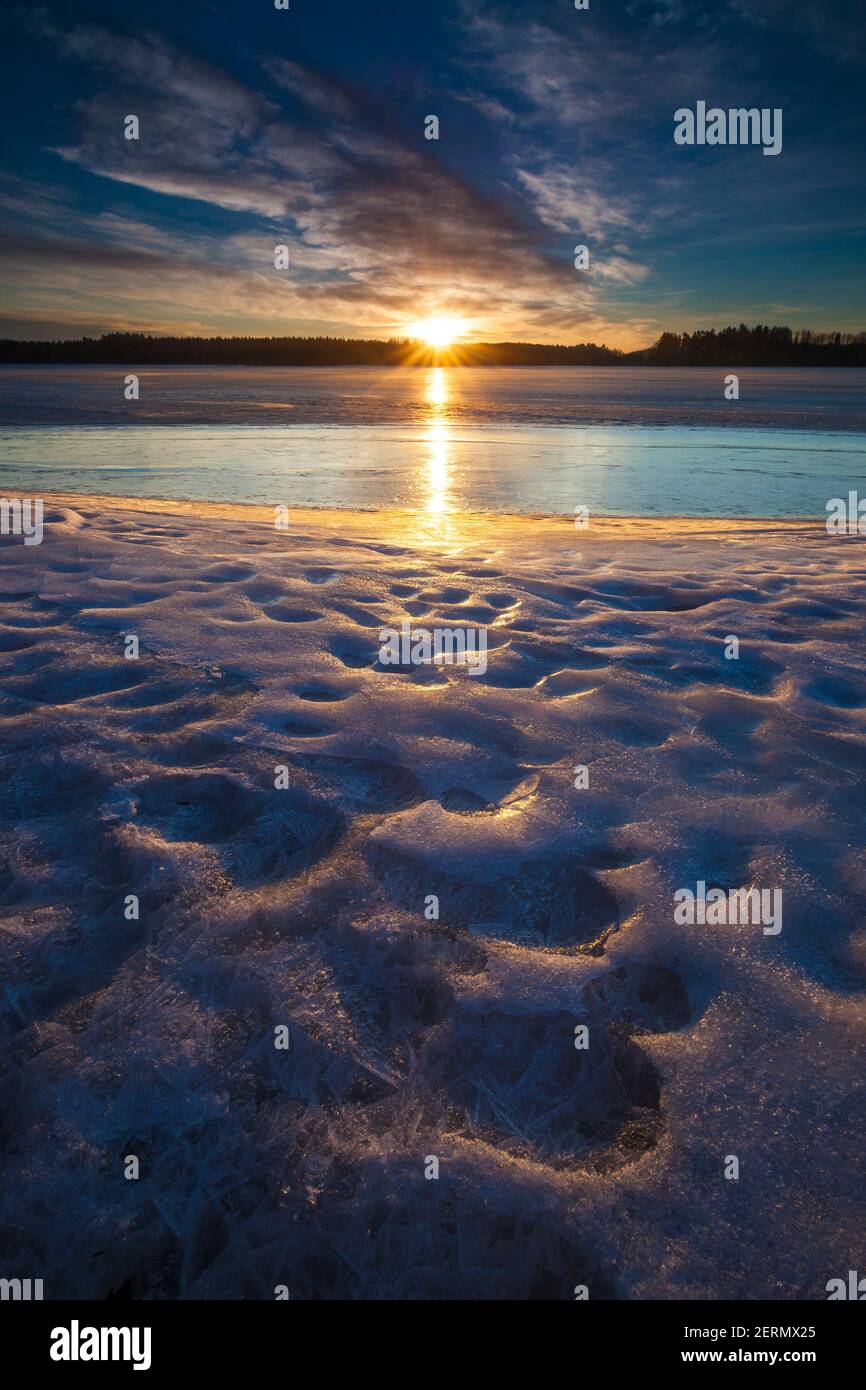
x=305, y=127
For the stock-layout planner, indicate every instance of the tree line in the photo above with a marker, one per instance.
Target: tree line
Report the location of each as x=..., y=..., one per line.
x=759, y=346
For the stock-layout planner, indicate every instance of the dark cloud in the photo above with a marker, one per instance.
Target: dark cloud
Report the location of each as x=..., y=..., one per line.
x=373, y=223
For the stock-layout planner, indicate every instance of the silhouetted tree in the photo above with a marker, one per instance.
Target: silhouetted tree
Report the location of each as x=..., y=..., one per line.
x=759, y=346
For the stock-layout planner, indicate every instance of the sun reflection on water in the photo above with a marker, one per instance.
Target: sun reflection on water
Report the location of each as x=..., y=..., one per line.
x=437, y=389
x=436, y=480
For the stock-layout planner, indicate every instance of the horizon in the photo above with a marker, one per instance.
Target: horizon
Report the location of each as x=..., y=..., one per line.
x=445, y=350
x=493, y=171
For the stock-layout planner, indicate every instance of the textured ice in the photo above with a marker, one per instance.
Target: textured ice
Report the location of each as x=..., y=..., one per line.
x=414, y=1036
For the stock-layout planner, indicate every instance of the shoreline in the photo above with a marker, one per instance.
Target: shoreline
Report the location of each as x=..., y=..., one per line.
x=433, y=363
x=603, y=527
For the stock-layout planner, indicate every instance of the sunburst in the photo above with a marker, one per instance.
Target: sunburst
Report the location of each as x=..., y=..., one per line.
x=438, y=333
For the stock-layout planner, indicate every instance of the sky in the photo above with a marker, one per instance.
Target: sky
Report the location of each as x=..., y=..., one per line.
x=305, y=128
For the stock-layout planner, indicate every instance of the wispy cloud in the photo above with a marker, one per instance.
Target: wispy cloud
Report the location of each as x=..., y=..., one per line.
x=379, y=230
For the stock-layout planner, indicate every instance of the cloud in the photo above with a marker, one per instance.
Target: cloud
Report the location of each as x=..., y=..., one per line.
x=380, y=231
x=571, y=204
x=316, y=92
x=580, y=74
x=493, y=110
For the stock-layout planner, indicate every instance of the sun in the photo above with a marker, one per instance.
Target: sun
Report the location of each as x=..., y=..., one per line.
x=439, y=333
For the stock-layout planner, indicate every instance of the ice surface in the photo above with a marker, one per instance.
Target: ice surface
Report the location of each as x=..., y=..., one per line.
x=414, y=1036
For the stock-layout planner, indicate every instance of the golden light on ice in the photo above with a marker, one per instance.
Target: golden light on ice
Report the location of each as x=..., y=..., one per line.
x=439, y=333
x=435, y=482
x=437, y=389
x=437, y=440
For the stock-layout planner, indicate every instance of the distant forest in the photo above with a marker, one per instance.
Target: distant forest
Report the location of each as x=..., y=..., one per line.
x=755, y=347
x=760, y=346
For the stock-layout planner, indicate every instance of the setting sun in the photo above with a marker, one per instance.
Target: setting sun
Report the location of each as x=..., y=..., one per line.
x=439, y=333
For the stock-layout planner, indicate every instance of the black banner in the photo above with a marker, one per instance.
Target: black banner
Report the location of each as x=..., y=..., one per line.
x=239, y=1338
